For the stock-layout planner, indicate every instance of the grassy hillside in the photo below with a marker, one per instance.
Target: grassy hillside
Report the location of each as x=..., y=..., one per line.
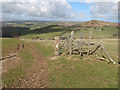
x=48, y=30
x=107, y=32
x=22, y=31
x=94, y=23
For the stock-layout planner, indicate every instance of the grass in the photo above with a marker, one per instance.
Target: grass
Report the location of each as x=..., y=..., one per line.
x=69, y=72
x=42, y=36
x=107, y=32
x=78, y=72
x=13, y=74
x=47, y=32
x=66, y=71
x=112, y=47
x=9, y=45
x=11, y=78
x=45, y=47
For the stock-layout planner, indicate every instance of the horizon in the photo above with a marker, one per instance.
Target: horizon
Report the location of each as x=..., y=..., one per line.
x=54, y=21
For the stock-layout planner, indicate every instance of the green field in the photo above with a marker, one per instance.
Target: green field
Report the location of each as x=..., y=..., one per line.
x=108, y=32
x=77, y=72
x=66, y=71
x=48, y=30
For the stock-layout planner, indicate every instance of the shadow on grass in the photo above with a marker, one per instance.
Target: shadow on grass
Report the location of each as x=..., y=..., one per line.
x=12, y=32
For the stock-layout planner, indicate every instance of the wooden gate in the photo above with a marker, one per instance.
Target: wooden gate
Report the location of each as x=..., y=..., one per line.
x=69, y=44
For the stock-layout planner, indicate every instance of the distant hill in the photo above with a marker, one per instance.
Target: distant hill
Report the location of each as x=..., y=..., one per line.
x=94, y=23
x=23, y=22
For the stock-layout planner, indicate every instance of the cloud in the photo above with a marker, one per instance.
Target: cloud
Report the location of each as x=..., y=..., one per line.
x=33, y=0
x=60, y=0
x=37, y=9
x=0, y=12
x=104, y=11
x=58, y=10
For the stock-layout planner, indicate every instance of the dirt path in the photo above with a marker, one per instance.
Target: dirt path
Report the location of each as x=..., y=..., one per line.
x=37, y=74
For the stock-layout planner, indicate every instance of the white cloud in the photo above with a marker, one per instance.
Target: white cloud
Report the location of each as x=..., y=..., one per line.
x=58, y=10
x=39, y=11
x=104, y=11
x=0, y=12
x=33, y=0
x=60, y=0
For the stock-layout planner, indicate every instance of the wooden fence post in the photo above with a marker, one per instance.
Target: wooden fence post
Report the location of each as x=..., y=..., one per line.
x=70, y=42
x=56, y=46
x=90, y=36
x=67, y=46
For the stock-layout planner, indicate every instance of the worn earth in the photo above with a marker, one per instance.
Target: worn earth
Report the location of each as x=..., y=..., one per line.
x=36, y=75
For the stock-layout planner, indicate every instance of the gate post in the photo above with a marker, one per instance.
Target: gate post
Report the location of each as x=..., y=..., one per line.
x=56, y=46
x=90, y=36
x=70, y=42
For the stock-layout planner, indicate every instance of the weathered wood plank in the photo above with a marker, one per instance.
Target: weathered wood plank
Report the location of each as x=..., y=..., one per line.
x=70, y=42
x=56, y=46
x=110, y=59
x=95, y=49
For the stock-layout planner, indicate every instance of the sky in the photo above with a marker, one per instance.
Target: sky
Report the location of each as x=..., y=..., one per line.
x=63, y=10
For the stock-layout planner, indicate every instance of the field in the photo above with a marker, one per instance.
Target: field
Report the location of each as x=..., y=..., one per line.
x=34, y=66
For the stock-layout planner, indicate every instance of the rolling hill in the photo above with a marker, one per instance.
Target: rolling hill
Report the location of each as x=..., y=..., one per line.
x=54, y=28
x=94, y=23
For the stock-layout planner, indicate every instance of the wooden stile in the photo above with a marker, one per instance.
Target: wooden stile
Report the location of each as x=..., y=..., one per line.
x=69, y=45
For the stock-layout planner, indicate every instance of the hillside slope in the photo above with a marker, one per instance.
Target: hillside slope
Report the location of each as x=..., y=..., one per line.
x=98, y=23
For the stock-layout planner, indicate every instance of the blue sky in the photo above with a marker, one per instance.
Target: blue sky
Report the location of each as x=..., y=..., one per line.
x=60, y=11
x=76, y=7
x=85, y=7
x=80, y=7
